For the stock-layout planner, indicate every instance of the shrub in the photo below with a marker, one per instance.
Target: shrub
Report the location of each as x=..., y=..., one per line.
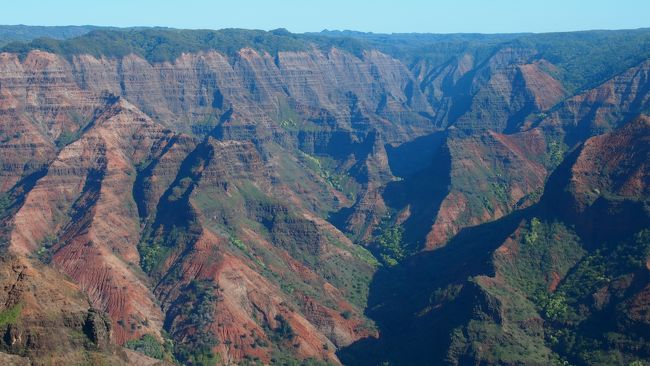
x=390, y=246
x=533, y=233
x=284, y=329
x=11, y=315
x=147, y=345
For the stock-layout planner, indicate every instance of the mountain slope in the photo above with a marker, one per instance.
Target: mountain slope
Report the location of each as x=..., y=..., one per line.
x=549, y=283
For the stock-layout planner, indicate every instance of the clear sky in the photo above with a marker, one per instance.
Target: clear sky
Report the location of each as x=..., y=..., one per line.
x=385, y=16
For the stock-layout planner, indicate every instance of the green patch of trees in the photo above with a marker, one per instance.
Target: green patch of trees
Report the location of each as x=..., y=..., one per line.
x=196, y=307
x=11, y=315
x=283, y=328
x=534, y=231
x=391, y=250
x=148, y=345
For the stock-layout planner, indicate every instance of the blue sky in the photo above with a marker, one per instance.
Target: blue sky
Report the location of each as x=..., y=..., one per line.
x=435, y=16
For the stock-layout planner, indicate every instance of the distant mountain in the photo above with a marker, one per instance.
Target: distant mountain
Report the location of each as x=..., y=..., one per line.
x=25, y=33
x=239, y=196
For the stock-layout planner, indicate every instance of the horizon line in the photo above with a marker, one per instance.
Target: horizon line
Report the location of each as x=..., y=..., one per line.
x=327, y=29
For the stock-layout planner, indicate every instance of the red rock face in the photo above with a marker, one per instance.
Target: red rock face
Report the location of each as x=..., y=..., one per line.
x=545, y=90
x=53, y=321
x=85, y=208
x=45, y=98
x=507, y=89
x=258, y=88
x=613, y=164
x=84, y=204
x=502, y=170
x=496, y=94
x=39, y=101
x=249, y=305
x=605, y=107
x=233, y=189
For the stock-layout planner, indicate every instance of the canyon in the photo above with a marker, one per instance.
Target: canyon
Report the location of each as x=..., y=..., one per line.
x=248, y=197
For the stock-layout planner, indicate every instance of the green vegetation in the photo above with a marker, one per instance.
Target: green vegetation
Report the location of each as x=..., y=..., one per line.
x=577, y=324
x=11, y=315
x=195, y=310
x=554, y=306
x=390, y=247
x=158, y=44
x=340, y=182
x=150, y=346
x=5, y=201
x=205, y=125
x=500, y=190
x=530, y=198
x=600, y=269
x=531, y=237
x=152, y=252
x=238, y=243
x=588, y=58
x=283, y=329
x=287, y=116
x=555, y=153
x=143, y=165
x=288, y=123
x=495, y=344
x=44, y=253
x=248, y=251
x=548, y=250
x=13, y=33
x=199, y=356
x=365, y=255
x=286, y=359
x=66, y=138
x=446, y=294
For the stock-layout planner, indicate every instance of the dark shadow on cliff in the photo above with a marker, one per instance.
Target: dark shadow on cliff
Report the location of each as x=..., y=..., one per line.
x=405, y=160
x=607, y=219
x=418, y=303
x=12, y=200
x=423, y=191
x=145, y=172
x=413, y=156
x=413, y=329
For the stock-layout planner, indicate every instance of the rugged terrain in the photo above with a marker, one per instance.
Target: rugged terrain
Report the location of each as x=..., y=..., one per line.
x=245, y=197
